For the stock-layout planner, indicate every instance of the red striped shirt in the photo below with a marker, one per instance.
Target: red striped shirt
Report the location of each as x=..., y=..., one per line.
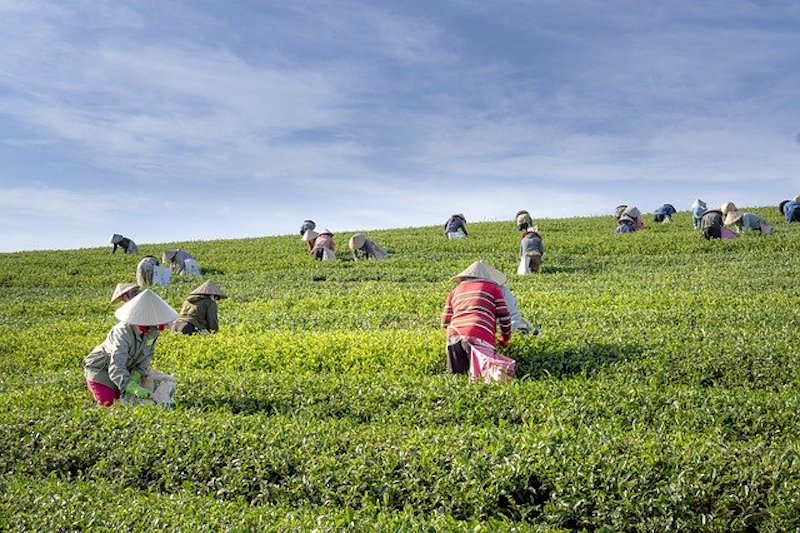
x=474, y=309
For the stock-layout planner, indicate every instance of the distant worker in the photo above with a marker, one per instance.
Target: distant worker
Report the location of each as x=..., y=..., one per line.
x=323, y=246
x=625, y=224
x=118, y=364
x=472, y=312
x=310, y=237
x=747, y=222
x=181, y=262
x=127, y=245
x=711, y=226
x=636, y=215
x=307, y=225
x=456, y=227
x=698, y=208
x=790, y=209
x=144, y=270
x=531, y=250
x=199, y=311
x=363, y=248
x=664, y=214
x=726, y=207
x=124, y=292
x=523, y=220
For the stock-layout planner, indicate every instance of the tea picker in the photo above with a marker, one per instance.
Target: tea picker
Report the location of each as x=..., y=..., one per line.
x=127, y=245
x=199, y=311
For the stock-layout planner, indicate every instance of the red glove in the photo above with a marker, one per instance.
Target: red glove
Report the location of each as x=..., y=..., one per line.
x=504, y=340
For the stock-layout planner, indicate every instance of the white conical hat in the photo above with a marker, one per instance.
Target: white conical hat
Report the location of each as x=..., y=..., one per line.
x=326, y=231
x=481, y=270
x=357, y=241
x=698, y=203
x=146, y=309
x=727, y=206
x=115, y=238
x=632, y=211
x=732, y=217
x=209, y=288
x=309, y=235
x=121, y=289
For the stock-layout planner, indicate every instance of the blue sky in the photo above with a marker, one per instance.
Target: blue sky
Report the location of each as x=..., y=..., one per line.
x=180, y=120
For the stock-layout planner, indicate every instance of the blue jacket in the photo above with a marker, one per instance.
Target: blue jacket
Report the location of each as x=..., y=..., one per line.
x=666, y=209
x=625, y=227
x=697, y=214
x=790, y=209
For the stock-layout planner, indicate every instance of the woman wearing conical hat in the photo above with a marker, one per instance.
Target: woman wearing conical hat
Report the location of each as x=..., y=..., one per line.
x=472, y=312
x=698, y=209
x=363, y=248
x=181, y=262
x=323, y=246
x=747, y=222
x=145, y=269
x=118, y=364
x=124, y=292
x=307, y=225
x=127, y=245
x=523, y=220
x=456, y=227
x=531, y=248
x=664, y=213
x=199, y=310
x=790, y=209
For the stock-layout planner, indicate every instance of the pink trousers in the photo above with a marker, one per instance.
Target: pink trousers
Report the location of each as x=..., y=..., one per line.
x=103, y=394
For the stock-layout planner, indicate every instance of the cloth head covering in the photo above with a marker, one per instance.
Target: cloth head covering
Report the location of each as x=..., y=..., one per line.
x=732, y=217
x=326, y=231
x=523, y=212
x=357, y=241
x=727, y=206
x=146, y=309
x=309, y=235
x=481, y=270
x=209, y=288
x=633, y=212
x=698, y=203
x=115, y=238
x=797, y=198
x=121, y=289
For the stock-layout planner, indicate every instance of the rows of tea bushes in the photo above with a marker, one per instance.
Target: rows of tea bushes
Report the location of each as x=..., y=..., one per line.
x=662, y=392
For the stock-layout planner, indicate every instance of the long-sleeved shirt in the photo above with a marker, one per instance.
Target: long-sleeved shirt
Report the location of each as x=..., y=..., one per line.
x=127, y=245
x=124, y=350
x=531, y=243
x=625, y=226
x=697, y=213
x=474, y=309
x=324, y=241
x=750, y=222
x=369, y=250
x=791, y=211
x=201, y=311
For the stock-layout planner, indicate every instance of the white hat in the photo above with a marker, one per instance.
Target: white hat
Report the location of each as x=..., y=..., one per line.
x=357, y=241
x=626, y=218
x=632, y=211
x=209, y=288
x=146, y=309
x=698, y=203
x=797, y=198
x=732, y=217
x=309, y=235
x=727, y=206
x=326, y=231
x=121, y=289
x=481, y=270
x=115, y=238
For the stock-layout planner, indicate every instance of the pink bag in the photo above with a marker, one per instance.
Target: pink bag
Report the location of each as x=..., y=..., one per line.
x=486, y=363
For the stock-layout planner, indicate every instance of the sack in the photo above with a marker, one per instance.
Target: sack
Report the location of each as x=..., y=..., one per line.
x=162, y=391
x=486, y=363
x=456, y=235
x=190, y=267
x=727, y=234
x=161, y=275
x=524, y=267
x=328, y=254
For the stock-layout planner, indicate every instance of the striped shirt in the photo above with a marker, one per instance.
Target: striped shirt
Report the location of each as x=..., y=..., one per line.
x=474, y=308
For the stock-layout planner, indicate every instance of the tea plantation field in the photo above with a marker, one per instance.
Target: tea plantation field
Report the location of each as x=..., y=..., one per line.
x=663, y=392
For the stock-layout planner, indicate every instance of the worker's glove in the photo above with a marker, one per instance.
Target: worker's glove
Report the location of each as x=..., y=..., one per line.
x=504, y=340
x=136, y=377
x=134, y=389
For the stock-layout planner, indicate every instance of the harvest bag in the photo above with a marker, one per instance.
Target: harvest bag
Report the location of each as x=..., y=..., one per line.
x=191, y=267
x=524, y=267
x=486, y=363
x=162, y=390
x=161, y=275
x=456, y=235
x=328, y=254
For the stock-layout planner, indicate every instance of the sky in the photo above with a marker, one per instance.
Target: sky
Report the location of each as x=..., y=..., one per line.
x=177, y=120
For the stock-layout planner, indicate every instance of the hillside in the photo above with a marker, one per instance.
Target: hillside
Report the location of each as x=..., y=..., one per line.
x=662, y=392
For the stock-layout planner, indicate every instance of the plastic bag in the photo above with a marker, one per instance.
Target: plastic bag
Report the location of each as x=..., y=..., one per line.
x=485, y=363
x=328, y=254
x=161, y=275
x=524, y=267
x=191, y=268
x=162, y=391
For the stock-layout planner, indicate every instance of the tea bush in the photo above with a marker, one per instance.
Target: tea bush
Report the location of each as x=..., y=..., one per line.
x=661, y=394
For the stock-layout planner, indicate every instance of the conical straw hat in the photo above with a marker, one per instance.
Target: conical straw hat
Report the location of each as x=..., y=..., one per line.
x=115, y=238
x=121, y=289
x=326, y=231
x=698, y=203
x=357, y=241
x=209, y=288
x=797, y=198
x=727, y=206
x=632, y=212
x=732, y=217
x=481, y=270
x=309, y=235
x=146, y=309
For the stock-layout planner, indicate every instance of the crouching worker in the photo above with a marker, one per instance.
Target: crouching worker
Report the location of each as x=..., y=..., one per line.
x=124, y=292
x=322, y=249
x=698, y=208
x=127, y=245
x=456, y=227
x=307, y=225
x=712, y=228
x=145, y=269
x=117, y=365
x=364, y=248
x=199, y=311
x=530, y=251
x=790, y=209
x=181, y=262
x=523, y=220
x=664, y=213
x=472, y=312
x=747, y=222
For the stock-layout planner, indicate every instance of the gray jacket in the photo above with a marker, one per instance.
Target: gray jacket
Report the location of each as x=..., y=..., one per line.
x=531, y=243
x=124, y=350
